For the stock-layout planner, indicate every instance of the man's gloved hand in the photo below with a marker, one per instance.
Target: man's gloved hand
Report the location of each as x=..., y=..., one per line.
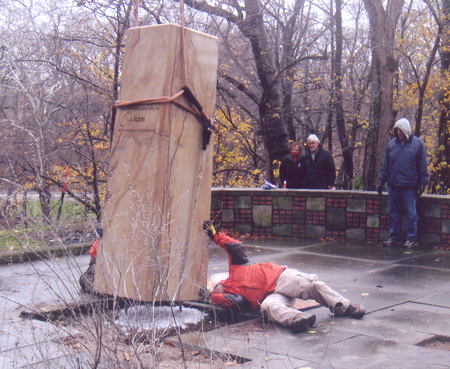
x=420, y=190
x=380, y=188
x=205, y=295
x=209, y=228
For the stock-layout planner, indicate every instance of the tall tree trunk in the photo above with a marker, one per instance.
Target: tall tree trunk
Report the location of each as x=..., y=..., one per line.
x=123, y=23
x=45, y=197
x=95, y=188
x=440, y=177
x=328, y=135
x=384, y=66
x=287, y=105
x=25, y=208
x=347, y=152
x=288, y=61
x=273, y=129
x=271, y=115
x=422, y=85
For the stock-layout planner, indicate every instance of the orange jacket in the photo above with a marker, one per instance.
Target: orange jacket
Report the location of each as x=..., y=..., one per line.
x=252, y=281
x=94, y=248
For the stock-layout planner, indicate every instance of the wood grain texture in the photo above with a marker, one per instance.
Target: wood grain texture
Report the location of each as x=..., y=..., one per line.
x=159, y=184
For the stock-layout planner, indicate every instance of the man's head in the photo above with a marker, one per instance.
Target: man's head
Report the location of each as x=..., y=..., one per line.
x=313, y=143
x=402, y=129
x=219, y=288
x=214, y=284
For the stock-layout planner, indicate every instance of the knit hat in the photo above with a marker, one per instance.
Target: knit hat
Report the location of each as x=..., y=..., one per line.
x=313, y=138
x=215, y=279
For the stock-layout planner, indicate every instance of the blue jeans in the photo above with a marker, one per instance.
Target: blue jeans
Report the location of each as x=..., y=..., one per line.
x=403, y=198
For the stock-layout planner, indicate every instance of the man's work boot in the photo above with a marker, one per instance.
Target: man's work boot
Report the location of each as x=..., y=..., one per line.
x=355, y=311
x=302, y=322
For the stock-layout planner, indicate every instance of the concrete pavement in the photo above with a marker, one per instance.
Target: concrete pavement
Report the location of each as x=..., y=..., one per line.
x=406, y=294
x=31, y=287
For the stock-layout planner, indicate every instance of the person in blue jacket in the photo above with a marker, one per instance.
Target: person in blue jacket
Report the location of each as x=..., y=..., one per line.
x=405, y=172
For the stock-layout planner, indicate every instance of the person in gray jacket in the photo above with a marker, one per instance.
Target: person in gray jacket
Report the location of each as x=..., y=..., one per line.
x=405, y=172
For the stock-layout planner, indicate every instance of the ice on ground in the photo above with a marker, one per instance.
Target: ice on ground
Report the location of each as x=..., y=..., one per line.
x=148, y=317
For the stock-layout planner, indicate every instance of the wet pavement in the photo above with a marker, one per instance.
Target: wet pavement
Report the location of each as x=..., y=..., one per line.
x=31, y=287
x=406, y=294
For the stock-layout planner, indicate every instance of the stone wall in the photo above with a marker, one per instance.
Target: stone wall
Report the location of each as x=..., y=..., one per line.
x=344, y=215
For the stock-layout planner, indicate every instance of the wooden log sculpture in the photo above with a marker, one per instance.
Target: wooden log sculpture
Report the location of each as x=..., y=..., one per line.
x=159, y=183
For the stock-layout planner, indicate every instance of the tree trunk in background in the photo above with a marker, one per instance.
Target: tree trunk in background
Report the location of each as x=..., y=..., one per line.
x=122, y=25
x=288, y=61
x=440, y=176
x=97, y=206
x=45, y=197
x=347, y=152
x=271, y=116
x=384, y=66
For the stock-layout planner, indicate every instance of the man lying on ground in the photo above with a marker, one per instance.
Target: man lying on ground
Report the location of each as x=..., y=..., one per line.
x=273, y=288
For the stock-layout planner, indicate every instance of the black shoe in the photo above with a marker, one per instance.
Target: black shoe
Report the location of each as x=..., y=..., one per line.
x=392, y=242
x=302, y=323
x=354, y=311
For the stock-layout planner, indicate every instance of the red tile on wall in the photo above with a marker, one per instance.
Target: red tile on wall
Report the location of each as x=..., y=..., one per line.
x=315, y=217
x=445, y=211
x=356, y=220
x=298, y=203
x=337, y=235
x=261, y=200
x=372, y=234
x=373, y=206
x=299, y=230
x=336, y=202
x=282, y=216
x=262, y=231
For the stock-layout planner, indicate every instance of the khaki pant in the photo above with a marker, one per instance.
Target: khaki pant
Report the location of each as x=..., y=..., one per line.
x=292, y=284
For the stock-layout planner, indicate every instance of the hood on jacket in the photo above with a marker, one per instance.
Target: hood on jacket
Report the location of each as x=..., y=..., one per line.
x=405, y=126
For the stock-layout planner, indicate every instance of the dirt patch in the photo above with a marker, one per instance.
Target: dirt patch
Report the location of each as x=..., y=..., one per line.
x=128, y=348
x=437, y=342
x=94, y=332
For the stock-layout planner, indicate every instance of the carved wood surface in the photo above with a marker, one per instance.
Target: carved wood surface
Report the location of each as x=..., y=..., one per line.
x=159, y=184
